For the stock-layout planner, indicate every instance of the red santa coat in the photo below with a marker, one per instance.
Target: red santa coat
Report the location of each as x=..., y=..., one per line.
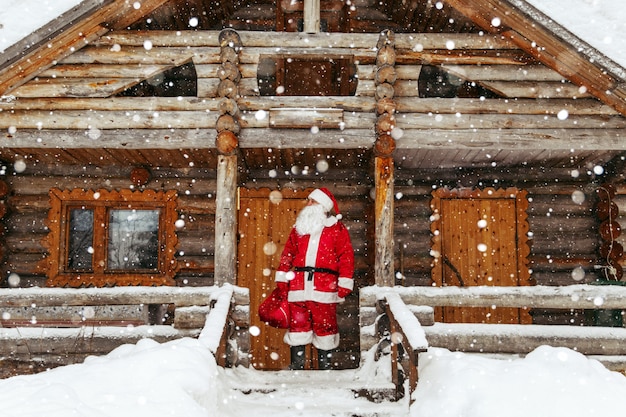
x=330, y=253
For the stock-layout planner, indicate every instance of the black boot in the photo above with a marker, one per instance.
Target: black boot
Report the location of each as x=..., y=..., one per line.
x=297, y=358
x=324, y=359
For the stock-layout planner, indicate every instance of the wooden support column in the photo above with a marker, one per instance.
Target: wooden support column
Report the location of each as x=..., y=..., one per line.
x=227, y=145
x=311, y=16
x=384, y=166
x=384, y=265
x=226, y=220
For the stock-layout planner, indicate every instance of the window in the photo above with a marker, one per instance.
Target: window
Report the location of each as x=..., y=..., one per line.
x=307, y=76
x=104, y=238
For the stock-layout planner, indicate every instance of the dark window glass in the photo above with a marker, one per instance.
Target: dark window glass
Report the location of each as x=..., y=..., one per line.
x=80, y=240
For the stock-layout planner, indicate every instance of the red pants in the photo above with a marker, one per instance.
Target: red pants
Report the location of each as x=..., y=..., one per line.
x=313, y=322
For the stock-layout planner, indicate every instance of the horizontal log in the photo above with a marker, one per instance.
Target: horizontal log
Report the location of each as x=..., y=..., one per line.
x=463, y=106
x=103, y=71
x=180, y=296
x=573, y=296
x=35, y=185
x=504, y=72
x=439, y=139
x=116, y=103
x=74, y=87
x=531, y=89
x=511, y=121
x=89, y=120
x=289, y=39
x=26, y=342
x=303, y=118
x=519, y=338
x=133, y=55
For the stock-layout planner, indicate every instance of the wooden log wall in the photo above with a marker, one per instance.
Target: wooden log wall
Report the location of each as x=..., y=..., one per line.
x=28, y=205
x=563, y=227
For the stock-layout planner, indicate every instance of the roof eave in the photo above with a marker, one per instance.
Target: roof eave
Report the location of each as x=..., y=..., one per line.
x=551, y=44
x=66, y=34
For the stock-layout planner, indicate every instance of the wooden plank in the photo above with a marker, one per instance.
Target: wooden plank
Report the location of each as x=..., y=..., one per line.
x=305, y=118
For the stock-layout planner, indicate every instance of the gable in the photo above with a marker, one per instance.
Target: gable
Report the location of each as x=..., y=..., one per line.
x=74, y=89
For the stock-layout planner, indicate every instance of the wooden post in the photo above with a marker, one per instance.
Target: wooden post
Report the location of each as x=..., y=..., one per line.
x=311, y=16
x=383, y=150
x=226, y=221
x=227, y=145
x=383, y=213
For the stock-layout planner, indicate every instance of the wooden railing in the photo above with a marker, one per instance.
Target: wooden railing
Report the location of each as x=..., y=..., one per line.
x=209, y=313
x=606, y=344
x=404, y=330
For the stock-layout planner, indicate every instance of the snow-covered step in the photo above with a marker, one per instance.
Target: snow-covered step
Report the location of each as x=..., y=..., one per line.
x=311, y=393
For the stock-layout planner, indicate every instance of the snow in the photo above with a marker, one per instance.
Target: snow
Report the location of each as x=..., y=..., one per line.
x=181, y=378
x=599, y=23
x=19, y=18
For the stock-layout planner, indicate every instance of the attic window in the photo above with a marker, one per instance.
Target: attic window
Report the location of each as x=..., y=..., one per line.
x=307, y=76
x=174, y=82
x=434, y=81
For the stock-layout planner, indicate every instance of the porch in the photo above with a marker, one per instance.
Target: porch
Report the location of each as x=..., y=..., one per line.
x=396, y=322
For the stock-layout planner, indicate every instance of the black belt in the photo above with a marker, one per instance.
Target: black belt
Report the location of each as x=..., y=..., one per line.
x=310, y=270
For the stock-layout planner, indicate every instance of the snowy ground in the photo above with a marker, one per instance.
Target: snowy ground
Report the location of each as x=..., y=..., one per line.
x=180, y=378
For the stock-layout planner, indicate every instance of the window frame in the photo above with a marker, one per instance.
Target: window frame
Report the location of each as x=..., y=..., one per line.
x=102, y=201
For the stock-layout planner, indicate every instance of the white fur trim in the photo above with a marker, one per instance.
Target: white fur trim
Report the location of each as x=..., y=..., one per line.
x=329, y=342
x=298, y=338
x=312, y=295
x=323, y=199
x=280, y=276
x=330, y=221
x=346, y=283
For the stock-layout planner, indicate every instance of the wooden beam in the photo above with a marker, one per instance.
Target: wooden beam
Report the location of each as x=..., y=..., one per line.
x=311, y=15
x=226, y=202
x=425, y=138
x=383, y=214
x=409, y=41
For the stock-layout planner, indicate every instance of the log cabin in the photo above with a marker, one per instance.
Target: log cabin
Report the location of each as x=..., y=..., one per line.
x=169, y=142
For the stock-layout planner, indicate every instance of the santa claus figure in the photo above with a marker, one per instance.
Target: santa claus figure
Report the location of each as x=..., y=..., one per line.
x=315, y=272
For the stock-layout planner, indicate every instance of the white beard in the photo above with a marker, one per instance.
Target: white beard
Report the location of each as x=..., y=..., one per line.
x=310, y=220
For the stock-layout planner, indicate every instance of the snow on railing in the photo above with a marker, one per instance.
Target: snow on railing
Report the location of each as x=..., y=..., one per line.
x=410, y=324
x=406, y=330
x=212, y=334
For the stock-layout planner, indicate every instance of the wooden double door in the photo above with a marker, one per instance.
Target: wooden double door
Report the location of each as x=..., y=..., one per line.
x=265, y=220
x=480, y=239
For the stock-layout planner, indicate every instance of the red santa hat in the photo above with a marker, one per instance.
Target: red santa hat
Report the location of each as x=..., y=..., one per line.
x=326, y=199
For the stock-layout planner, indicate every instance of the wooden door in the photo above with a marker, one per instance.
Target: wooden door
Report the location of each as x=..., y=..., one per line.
x=480, y=239
x=265, y=220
